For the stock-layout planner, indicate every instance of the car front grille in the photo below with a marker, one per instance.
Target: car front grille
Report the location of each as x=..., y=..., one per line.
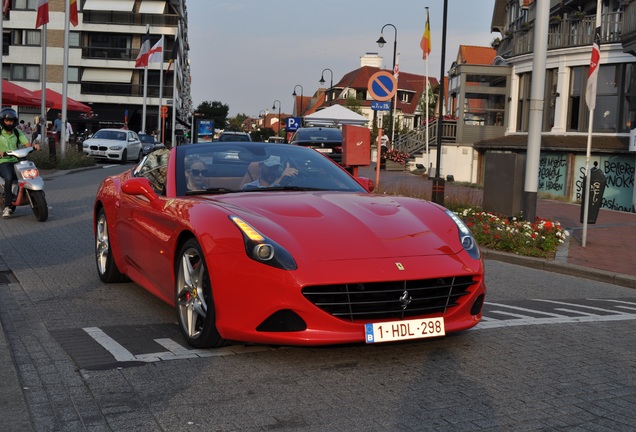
x=395, y=299
x=101, y=148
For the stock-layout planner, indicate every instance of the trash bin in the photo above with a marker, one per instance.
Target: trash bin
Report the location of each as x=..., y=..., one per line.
x=597, y=188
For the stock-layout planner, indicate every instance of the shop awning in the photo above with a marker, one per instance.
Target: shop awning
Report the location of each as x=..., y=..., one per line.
x=56, y=98
x=152, y=7
x=13, y=94
x=107, y=75
x=108, y=5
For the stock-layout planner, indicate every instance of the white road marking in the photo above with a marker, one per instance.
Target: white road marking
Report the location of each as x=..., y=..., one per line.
x=576, y=312
x=539, y=321
x=510, y=314
x=579, y=306
x=175, y=351
x=526, y=310
x=119, y=352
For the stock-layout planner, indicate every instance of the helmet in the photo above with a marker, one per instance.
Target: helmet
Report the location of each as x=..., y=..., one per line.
x=8, y=113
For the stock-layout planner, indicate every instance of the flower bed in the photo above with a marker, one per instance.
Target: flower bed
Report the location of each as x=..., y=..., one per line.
x=539, y=239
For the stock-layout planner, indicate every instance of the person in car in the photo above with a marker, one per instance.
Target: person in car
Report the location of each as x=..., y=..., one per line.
x=271, y=173
x=197, y=175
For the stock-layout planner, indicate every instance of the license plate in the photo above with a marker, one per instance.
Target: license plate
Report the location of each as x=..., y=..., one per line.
x=99, y=153
x=324, y=150
x=403, y=330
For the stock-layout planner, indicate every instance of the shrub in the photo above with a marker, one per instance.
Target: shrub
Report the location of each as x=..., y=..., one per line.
x=71, y=159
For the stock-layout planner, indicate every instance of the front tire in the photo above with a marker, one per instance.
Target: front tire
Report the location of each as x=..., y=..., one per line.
x=124, y=157
x=106, y=267
x=193, y=298
x=38, y=205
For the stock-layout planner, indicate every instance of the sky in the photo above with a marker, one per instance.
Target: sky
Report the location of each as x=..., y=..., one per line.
x=249, y=53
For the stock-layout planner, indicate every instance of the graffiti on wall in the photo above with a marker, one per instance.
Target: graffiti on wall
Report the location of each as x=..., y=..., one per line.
x=552, y=174
x=619, y=181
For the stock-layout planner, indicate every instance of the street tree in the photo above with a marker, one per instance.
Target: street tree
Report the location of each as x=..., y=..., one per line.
x=216, y=111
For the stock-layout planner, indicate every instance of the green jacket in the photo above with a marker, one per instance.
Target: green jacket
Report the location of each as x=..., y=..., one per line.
x=9, y=142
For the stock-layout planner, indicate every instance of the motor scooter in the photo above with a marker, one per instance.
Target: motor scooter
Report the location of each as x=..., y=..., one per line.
x=29, y=186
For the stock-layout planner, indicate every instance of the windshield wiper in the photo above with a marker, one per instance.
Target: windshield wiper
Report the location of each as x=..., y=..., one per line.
x=282, y=188
x=211, y=190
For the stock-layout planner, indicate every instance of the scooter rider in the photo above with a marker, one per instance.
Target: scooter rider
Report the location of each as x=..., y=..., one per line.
x=10, y=139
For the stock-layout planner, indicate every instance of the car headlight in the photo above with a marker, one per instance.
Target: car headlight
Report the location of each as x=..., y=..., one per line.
x=465, y=236
x=116, y=148
x=263, y=249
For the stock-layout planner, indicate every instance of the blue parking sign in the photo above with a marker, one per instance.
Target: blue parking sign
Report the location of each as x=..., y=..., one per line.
x=292, y=124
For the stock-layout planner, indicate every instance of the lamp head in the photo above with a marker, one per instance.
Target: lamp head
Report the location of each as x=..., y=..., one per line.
x=322, y=79
x=381, y=41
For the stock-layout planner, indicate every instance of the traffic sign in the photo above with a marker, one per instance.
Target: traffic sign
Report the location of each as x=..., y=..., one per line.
x=382, y=86
x=380, y=106
x=164, y=109
x=292, y=123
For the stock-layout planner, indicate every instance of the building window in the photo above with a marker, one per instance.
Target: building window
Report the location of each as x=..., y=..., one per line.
x=25, y=72
x=73, y=74
x=26, y=37
x=630, y=96
x=74, y=39
x=484, y=109
x=24, y=4
x=523, y=108
x=610, y=111
x=549, y=102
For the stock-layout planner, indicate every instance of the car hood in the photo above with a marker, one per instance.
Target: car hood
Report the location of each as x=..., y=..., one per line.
x=347, y=226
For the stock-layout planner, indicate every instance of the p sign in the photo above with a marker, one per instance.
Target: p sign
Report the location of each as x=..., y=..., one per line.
x=292, y=123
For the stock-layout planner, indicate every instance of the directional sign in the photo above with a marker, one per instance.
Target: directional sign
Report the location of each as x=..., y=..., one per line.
x=380, y=106
x=292, y=123
x=382, y=86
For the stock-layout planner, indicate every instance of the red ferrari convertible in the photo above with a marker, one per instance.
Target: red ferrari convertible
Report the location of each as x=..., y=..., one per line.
x=276, y=244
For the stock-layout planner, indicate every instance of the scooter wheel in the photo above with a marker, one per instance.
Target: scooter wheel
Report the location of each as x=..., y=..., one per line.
x=39, y=206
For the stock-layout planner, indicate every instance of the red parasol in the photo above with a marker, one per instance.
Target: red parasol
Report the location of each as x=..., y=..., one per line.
x=56, y=99
x=13, y=94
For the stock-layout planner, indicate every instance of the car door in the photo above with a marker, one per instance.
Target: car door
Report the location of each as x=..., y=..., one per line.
x=134, y=146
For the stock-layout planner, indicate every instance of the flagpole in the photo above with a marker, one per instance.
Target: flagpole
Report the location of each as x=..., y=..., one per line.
x=596, y=45
x=43, y=135
x=174, y=99
x=396, y=68
x=160, y=92
x=428, y=162
x=67, y=7
x=143, y=110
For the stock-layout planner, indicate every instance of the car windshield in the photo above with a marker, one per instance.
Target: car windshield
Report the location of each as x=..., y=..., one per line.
x=233, y=137
x=110, y=135
x=256, y=167
x=146, y=139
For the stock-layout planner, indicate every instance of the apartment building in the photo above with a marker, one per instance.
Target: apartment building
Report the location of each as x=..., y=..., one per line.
x=101, y=71
x=565, y=113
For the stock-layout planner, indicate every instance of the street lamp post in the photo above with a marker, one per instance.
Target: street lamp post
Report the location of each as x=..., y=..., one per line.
x=274, y=107
x=322, y=81
x=263, y=115
x=300, y=112
x=381, y=43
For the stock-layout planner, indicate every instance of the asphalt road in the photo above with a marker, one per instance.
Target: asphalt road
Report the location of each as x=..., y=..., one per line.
x=554, y=352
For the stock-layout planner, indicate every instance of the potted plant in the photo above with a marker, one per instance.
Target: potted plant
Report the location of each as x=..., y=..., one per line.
x=555, y=19
x=577, y=15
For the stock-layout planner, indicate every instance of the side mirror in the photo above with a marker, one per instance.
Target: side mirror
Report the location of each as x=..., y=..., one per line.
x=366, y=183
x=139, y=186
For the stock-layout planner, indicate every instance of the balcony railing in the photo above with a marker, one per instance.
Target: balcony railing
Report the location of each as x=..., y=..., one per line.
x=414, y=141
x=567, y=33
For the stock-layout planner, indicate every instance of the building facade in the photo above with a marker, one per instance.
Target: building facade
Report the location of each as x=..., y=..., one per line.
x=565, y=115
x=101, y=71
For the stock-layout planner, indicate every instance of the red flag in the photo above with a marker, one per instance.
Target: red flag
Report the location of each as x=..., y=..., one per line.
x=72, y=15
x=425, y=43
x=6, y=4
x=155, y=55
x=396, y=68
x=142, y=58
x=592, y=76
x=42, y=6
